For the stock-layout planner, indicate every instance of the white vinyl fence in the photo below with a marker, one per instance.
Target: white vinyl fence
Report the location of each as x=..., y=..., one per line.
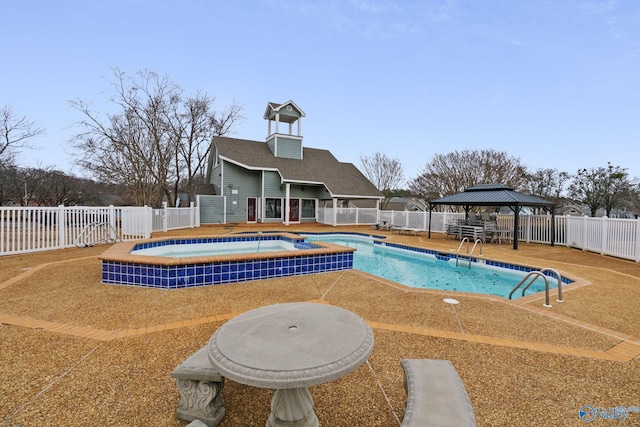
x=32, y=229
x=607, y=236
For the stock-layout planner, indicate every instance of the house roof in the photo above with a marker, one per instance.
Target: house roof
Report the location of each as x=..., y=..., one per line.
x=492, y=195
x=316, y=167
x=404, y=203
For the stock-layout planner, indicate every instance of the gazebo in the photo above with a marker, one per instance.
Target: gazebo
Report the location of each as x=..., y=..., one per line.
x=496, y=195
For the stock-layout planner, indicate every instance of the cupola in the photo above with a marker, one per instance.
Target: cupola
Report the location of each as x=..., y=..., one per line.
x=284, y=144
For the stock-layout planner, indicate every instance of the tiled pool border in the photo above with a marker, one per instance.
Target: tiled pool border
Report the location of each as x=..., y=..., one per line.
x=119, y=266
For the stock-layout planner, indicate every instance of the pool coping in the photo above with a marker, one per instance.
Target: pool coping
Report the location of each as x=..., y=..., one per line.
x=120, y=252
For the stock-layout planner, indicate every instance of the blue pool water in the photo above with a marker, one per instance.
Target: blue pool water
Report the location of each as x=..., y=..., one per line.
x=178, y=250
x=425, y=270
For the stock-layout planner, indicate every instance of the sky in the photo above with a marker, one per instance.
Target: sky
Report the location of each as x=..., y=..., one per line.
x=555, y=83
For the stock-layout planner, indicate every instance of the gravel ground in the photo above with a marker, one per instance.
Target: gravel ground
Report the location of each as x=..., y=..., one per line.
x=53, y=379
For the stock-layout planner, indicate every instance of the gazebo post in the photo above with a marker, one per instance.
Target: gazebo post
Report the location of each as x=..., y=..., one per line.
x=553, y=226
x=516, y=226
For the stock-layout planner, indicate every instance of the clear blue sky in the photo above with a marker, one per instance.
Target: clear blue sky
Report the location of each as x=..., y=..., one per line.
x=554, y=83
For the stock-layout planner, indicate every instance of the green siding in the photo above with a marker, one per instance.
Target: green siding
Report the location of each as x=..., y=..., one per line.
x=238, y=185
x=215, y=179
x=272, y=183
x=211, y=209
x=271, y=143
x=290, y=148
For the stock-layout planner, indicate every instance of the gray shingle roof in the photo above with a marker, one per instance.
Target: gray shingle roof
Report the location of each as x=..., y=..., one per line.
x=492, y=195
x=317, y=166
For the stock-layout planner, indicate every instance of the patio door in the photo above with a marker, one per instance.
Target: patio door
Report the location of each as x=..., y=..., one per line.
x=251, y=209
x=294, y=210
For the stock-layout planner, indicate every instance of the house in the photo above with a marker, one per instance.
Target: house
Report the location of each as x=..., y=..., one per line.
x=406, y=204
x=569, y=210
x=279, y=180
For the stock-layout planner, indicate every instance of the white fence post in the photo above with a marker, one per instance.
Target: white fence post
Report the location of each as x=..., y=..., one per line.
x=637, y=245
x=149, y=221
x=112, y=223
x=61, y=221
x=603, y=233
x=192, y=215
x=165, y=216
x=334, y=219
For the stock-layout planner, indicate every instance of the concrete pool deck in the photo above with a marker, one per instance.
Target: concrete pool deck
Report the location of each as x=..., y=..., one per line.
x=78, y=352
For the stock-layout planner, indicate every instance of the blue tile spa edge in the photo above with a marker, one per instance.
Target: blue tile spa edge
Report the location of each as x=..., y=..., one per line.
x=192, y=274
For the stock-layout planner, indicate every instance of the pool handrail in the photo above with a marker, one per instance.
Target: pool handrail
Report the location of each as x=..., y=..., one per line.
x=558, y=275
x=534, y=275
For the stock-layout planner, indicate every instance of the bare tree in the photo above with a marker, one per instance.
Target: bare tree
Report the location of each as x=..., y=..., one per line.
x=547, y=183
x=51, y=187
x=383, y=172
x=601, y=187
x=451, y=173
x=194, y=125
x=9, y=178
x=16, y=133
x=154, y=140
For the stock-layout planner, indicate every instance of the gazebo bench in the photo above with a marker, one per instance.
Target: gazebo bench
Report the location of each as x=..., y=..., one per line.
x=436, y=395
x=200, y=387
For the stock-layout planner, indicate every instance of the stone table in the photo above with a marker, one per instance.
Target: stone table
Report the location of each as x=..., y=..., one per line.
x=290, y=347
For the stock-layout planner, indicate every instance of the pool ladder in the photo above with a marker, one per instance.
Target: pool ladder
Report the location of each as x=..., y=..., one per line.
x=535, y=275
x=468, y=255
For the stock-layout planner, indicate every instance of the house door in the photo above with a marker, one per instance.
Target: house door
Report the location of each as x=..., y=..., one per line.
x=251, y=209
x=294, y=210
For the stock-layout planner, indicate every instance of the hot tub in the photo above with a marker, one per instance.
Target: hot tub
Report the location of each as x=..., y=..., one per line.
x=286, y=254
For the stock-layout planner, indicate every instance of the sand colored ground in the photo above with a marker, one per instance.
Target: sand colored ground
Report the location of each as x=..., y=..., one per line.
x=77, y=352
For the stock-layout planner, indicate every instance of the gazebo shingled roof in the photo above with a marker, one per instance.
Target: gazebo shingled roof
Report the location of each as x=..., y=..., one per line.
x=496, y=195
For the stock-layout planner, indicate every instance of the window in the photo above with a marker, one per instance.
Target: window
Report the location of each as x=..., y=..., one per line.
x=273, y=208
x=308, y=208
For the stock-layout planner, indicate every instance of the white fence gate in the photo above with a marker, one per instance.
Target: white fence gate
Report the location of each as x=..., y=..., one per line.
x=174, y=218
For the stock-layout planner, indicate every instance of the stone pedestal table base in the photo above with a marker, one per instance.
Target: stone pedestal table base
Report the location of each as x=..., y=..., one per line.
x=292, y=407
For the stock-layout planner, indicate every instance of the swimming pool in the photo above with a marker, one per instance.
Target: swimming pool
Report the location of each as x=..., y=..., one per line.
x=427, y=269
